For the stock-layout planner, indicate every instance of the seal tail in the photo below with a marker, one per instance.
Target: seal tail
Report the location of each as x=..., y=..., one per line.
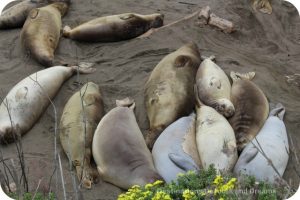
x=235, y=76
x=127, y=102
x=84, y=68
x=278, y=111
x=67, y=31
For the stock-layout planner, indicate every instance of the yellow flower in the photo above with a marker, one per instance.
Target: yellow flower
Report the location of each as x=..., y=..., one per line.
x=221, y=198
x=158, y=182
x=161, y=196
x=180, y=174
x=190, y=172
x=148, y=186
x=218, y=180
x=147, y=194
x=188, y=194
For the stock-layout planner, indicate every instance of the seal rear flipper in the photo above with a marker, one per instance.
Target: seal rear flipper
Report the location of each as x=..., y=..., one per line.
x=235, y=76
x=66, y=31
x=263, y=6
x=186, y=164
x=127, y=102
x=278, y=111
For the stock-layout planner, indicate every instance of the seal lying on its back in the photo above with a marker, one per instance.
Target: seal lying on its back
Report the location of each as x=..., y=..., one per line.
x=78, y=123
x=114, y=28
x=270, y=143
x=251, y=108
x=169, y=91
x=15, y=16
x=175, y=150
x=120, y=151
x=215, y=138
x=27, y=100
x=214, y=87
x=41, y=32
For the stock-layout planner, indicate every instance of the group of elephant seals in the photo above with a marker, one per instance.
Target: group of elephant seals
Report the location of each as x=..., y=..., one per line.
x=79, y=120
x=175, y=150
x=251, y=108
x=15, y=16
x=215, y=138
x=214, y=87
x=27, y=100
x=114, y=28
x=169, y=91
x=270, y=145
x=41, y=32
x=120, y=151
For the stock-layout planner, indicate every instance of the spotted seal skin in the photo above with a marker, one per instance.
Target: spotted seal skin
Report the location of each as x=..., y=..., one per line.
x=251, y=108
x=270, y=143
x=120, y=151
x=169, y=90
x=78, y=123
x=114, y=28
x=41, y=32
x=28, y=100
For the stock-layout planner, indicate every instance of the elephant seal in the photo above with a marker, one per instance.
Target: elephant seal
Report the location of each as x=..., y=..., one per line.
x=28, y=99
x=263, y=6
x=114, y=28
x=120, y=151
x=214, y=137
x=41, y=32
x=175, y=150
x=251, y=108
x=15, y=16
x=214, y=87
x=270, y=144
x=79, y=120
x=169, y=90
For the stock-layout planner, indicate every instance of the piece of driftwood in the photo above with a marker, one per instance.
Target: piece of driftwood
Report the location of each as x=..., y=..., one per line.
x=223, y=24
x=204, y=16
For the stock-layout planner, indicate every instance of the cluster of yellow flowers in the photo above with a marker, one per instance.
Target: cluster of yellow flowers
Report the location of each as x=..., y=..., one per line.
x=220, y=187
x=188, y=194
x=138, y=193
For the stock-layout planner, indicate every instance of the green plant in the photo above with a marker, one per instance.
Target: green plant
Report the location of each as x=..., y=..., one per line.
x=37, y=196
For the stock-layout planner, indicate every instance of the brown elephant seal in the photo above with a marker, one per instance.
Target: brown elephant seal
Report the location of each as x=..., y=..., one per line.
x=169, y=90
x=251, y=108
x=41, y=32
x=79, y=120
x=215, y=138
x=15, y=16
x=120, y=151
x=214, y=87
x=114, y=28
x=28, y=100
x=263, y=6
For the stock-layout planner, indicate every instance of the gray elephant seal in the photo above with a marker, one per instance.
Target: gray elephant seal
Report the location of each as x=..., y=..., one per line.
x=27, y=100
x=41, y=32
x=169, y=91
x=175, y=150
x=215, y=138
x=120, y=151
x=214, y=87
x=79, y=120
x=114, y=28
x=270, y=143
x=15, y=16
x=251, y=108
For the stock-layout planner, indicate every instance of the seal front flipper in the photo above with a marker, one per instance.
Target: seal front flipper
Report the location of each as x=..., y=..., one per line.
x=127, y=16
x=187, y=164
x=263, y=6
x=235, y=76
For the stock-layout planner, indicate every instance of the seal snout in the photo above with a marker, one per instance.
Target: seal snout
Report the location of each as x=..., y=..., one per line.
x=158, y=21
x=225, y=107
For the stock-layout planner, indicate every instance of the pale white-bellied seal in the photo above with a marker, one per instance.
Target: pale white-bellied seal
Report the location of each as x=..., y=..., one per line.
x=41, y=32
x=28, y=99
x=270, y=145
x=78, y=123
x=15, y=16
x=175, y=150
x=251, y=108
x=169, y=90
x=215, y=138
x=114, y=28
x=120, y=151
x=214, y=87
